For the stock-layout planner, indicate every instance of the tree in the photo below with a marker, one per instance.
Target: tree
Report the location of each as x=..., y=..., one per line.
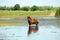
x=25, y=8
x=17, y=7
x=34, y=8
x=57, y=12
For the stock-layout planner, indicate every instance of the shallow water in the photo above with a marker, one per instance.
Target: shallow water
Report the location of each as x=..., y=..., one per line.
x=49, y=29
x=42, y=21
x=20, y=33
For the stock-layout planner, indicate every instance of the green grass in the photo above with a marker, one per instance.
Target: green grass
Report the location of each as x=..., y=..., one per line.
x=18, y=14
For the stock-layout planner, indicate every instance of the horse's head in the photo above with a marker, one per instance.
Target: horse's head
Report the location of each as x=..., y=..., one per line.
x=28, y=17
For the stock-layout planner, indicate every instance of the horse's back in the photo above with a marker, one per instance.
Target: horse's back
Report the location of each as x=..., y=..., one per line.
x=34, y=21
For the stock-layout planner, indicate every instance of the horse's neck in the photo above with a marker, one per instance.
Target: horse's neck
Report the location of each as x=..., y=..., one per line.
x=29, y=20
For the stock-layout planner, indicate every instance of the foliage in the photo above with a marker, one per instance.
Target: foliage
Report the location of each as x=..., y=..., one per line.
x=57, y=12
x=17, y=7
x=34, y=8
x=25, y=8
x=45, y=8
x=6, y=8
x=3, y=8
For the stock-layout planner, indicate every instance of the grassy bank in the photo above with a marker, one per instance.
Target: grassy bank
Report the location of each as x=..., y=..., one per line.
x=12, y=24
x=23, y=14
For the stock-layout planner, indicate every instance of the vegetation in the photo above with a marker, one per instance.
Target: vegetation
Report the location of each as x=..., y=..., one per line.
x=27, y=8
x=34, y=8
x=42, y=8
x=23, y=14
x=17, y=7
x=57, y=12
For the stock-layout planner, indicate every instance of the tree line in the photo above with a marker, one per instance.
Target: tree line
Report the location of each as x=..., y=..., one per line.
x=27, y=8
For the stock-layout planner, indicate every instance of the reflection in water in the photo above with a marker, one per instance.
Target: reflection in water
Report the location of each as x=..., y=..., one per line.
x=20, y=33
x=32, y=29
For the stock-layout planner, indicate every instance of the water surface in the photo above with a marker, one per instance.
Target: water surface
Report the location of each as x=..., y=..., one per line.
x=49, y=29
x=20, y=33
x=42, y=20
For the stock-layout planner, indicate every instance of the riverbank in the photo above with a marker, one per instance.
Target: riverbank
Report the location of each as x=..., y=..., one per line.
x=12, y=24
x=24, y=14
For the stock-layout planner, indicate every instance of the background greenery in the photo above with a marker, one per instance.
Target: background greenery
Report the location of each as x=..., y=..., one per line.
x=15, y=10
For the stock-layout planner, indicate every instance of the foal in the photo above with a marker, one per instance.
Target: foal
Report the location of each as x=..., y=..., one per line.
x=30, y=22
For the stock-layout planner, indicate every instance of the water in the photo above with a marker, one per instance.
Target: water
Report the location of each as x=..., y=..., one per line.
x=20, y=33
x=42, y=20
x=49, y=29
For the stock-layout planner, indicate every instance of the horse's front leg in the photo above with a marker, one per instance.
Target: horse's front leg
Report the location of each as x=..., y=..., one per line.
x=36, y=28
x=30, y=30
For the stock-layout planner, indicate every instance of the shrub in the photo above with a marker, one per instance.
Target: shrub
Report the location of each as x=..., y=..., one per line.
x=34, y=8
x=25, y=8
